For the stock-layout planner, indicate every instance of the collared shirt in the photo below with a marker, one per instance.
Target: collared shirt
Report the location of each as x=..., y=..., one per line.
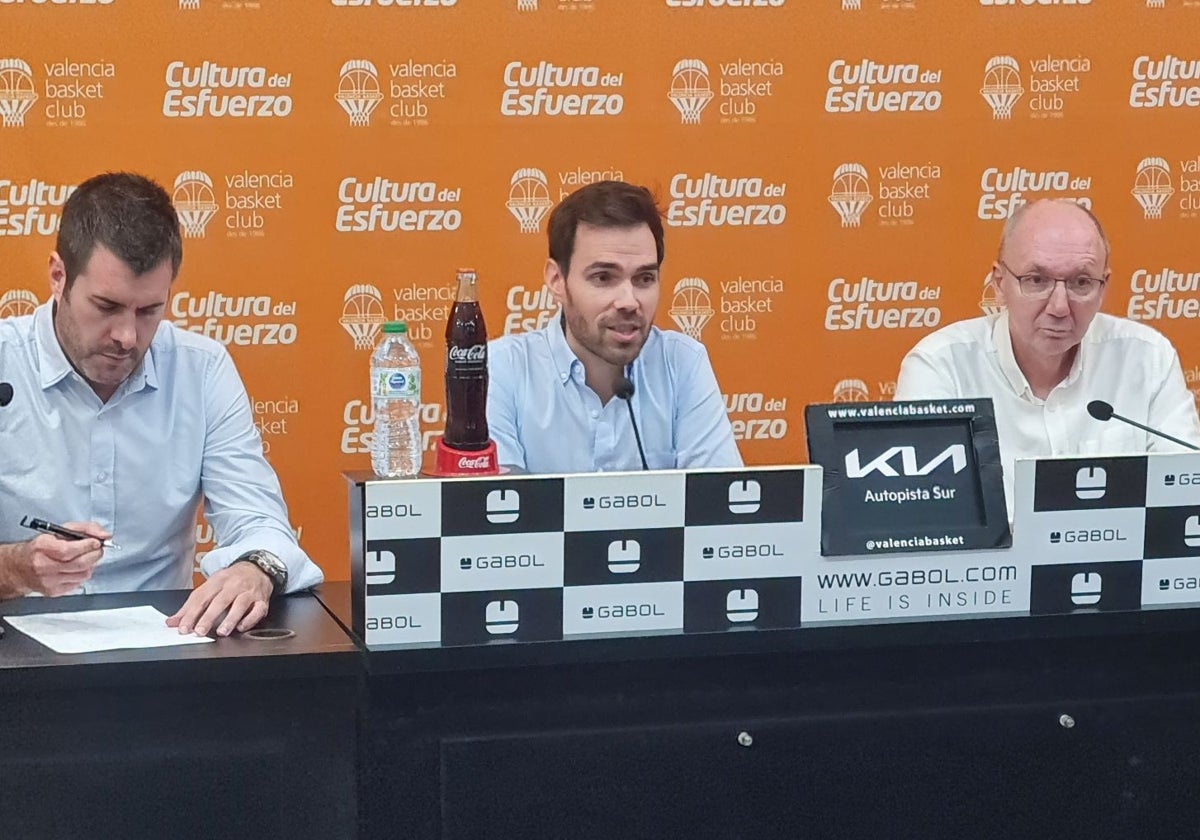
x=178, y=429
x=545, y=419
x=1122, y=362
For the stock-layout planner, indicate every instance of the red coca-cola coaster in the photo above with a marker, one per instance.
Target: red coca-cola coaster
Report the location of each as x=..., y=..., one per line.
x=459, y=462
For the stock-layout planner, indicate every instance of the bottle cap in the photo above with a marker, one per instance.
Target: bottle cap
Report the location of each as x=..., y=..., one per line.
x=395, y=327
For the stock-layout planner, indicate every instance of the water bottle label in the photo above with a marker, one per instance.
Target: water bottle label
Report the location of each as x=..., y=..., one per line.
x=397, y=383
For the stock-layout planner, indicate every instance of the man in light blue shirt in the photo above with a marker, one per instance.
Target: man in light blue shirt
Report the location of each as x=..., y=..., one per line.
x=551, y=406
x=121, y=422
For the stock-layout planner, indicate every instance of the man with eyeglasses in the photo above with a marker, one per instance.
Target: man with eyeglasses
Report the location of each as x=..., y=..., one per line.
x=1050, y=351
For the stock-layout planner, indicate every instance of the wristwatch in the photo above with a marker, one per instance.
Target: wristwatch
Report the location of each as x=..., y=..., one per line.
x=270, y=565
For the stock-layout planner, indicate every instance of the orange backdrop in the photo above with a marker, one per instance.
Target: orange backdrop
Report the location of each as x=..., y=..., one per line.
x=836, y=174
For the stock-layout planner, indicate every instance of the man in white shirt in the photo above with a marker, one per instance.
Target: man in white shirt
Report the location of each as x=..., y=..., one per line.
x=120, y=423
x=551, y=405
x=1050, y=351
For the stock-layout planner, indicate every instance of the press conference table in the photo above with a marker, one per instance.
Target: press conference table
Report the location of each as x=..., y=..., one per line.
x=1061, y=726
x=237, y=738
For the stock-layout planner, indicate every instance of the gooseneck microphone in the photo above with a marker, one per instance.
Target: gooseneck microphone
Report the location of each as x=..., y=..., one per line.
x=1102, y=411
x=6, y=394
x=624, y=390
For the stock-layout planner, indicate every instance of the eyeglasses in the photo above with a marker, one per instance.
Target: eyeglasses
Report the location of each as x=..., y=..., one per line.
x=1039, y=286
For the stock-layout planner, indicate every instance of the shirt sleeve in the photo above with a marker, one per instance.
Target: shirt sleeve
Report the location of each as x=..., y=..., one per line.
x=242, y=497
x=1173, y=408
x=504, y=371
x=703, y=434
x=921, y=378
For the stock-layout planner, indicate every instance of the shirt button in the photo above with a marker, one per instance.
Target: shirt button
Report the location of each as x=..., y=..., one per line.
x=595, y=414
x=101, y=476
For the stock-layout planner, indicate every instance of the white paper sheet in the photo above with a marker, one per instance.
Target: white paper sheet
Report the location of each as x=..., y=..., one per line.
x=88, y=631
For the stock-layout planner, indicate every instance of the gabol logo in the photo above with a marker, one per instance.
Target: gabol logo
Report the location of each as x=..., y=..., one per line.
x=873, y=87
x=909, y=466
x=1088, y=535
x=528, y=198
x=1164, y=294
x=691, y=307
x=545, y=89
x=31, y=208
x=1155, y=82
x=17, y=94
x=381, y=204
x=500, y=561
x=1002, y=192
x=358, y=90
x=212, y=90
x=718, y=201
x=632, y=500
x=1152, y=186
x=644, y=610
x=741, y=551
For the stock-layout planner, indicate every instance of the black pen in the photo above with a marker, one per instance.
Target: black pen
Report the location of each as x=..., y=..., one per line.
x=59, y=531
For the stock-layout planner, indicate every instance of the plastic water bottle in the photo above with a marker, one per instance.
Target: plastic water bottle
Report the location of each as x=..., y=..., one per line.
x=396, y=395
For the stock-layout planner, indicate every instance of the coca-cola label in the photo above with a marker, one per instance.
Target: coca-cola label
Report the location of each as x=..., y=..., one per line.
x=476, y=353
x=405, y=382
x=475, y=462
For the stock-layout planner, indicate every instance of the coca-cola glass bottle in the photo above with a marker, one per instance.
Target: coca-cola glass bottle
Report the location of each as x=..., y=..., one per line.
x=466, y=369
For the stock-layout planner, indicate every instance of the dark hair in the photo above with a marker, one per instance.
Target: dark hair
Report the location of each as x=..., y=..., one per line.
x=604, y=204
x=129, y=215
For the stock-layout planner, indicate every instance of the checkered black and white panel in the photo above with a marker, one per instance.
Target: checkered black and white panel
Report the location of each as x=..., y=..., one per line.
x=531, y=559
x=1110, y=533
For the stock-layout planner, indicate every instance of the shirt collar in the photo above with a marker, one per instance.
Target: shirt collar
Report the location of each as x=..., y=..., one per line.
x=1002, y=340
x=564, y=357
x=55, y=366
x=52, y=361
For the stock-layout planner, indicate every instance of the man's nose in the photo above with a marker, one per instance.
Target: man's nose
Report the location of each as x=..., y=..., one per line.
x=625, y=298
x=1058, y=303
x=124, y=330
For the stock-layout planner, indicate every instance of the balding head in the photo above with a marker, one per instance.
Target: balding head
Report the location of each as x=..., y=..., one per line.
x=1052, y=214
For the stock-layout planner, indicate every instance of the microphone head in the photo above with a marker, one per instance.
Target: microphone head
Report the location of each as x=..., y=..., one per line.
x=624, y=388
x=1100, y=409
x=6, y=394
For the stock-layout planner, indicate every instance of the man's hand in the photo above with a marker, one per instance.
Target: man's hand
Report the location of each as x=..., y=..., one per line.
x=242, y=592
x=51, y=565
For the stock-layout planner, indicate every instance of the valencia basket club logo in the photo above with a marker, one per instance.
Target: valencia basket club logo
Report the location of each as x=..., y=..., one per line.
x=16, y=91
x=189, y=4
x=1152, y=186
x=527, y=5
x=358, y=90
x=1002, y=85
x=529, y=198
x=690, y=89
x=362, y=315
x=194, y=201
x=851, y=193
x=851, y=390
x=691, y=307
x=17, y=302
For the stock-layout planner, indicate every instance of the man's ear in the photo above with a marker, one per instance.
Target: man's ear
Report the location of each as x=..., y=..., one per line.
x=57, y=271
x=555, y=280
x=997, y=276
